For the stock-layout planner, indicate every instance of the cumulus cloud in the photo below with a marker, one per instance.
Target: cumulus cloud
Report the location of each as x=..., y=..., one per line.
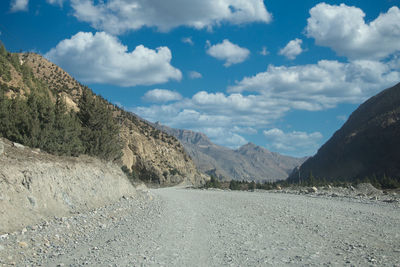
x=235, y=114
x=229, y=52
x=300, y=143
x=195, y=75
x=270, y=95
x=118, y=16
x=55, y=2
x=343, y=29
x=292, y=49
x=19, y=5
x=244, y=130
x=264, y=51
x=187, y=40
x=259, y=101
x=224, y=136
x=322, y=85
x=101, y=58
x=341, y=117
x=161, y=96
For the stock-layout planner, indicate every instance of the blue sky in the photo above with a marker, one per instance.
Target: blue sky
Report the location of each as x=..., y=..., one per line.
x=284, y=75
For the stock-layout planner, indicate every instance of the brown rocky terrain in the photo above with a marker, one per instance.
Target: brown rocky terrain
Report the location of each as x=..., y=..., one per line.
x=149, y=153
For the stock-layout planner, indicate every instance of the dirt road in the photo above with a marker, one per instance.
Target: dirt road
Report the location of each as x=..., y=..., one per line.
x=185, y=227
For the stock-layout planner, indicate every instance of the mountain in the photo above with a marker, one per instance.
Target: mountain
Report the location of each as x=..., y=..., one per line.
x=32, y=89
x=367, y=145
x=249, y=162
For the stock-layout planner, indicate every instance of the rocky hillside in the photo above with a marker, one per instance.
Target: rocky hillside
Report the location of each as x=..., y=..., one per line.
x=148, y=153
x=366, y=147
x=249, y=162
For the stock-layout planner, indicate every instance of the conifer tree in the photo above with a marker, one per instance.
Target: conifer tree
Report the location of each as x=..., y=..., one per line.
x=99, y=131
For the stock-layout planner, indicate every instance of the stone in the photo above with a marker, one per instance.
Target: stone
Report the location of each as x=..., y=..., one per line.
x=32, y=201
x=312, y=189
x=22, y=244
x=1, y=147
x=4, y=236
x=17, y=145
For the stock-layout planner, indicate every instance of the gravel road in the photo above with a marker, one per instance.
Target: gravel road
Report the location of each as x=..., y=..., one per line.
x=187, y=227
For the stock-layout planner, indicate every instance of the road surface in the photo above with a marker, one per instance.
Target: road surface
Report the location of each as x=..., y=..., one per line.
x=187, y=227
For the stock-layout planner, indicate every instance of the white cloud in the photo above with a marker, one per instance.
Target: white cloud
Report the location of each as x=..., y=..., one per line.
x=320, y=86
x=195, y=75
x=244, y=130
x=19, y=5
x=343, y=29
x=292, y=49
x=229, y=52
x=101, y=58
x=224, y=136
x=187, y=40
x=271, y=94
x=264, y=51
x=341, y=118
x=55, y=2
x=235, y=113
x=300, y=143
x=118, y=16
x=161, y=96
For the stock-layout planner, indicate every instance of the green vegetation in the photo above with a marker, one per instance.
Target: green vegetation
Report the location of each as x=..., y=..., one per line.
x=213, y=183
x=99, y=131
x=132, y=176
x=243, y=185
x=34, y=119
x=384, y=183
x=378, y=181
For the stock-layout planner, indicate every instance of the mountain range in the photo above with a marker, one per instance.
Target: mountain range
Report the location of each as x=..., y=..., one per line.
x=365, y=148
x=249, y=162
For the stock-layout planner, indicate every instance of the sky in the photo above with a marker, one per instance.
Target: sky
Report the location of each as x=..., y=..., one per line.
x=284, y=75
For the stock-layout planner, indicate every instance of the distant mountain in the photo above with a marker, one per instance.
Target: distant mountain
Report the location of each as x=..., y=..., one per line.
x=368, y=144
x=249, y=162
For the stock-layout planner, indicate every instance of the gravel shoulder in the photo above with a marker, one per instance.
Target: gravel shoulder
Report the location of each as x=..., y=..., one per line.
x=186, y=227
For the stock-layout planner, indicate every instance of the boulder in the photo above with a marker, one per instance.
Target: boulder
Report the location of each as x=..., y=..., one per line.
x=312, y=189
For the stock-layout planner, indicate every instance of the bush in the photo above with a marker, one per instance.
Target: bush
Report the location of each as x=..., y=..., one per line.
x=213, y=183
x=132, y=176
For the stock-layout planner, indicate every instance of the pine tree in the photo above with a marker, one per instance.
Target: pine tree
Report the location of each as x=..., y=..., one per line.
x=34, y=124
x=99, y=131
x=5, y=118
x=67, y=130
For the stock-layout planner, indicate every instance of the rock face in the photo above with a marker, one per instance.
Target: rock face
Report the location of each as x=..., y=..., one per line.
x=35, y=186
x=156, y=156
x=249, y=162
x=149, y=153
x=367, y=145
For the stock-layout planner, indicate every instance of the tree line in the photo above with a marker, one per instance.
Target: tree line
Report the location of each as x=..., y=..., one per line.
x=35, y=119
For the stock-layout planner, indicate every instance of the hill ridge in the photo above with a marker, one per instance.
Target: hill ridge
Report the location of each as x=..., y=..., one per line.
x=248, y=162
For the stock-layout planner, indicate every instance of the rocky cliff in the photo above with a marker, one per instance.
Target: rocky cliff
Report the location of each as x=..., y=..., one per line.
x=249, y=162
x=148, y=153
x=367, y=145
x=35, y=185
